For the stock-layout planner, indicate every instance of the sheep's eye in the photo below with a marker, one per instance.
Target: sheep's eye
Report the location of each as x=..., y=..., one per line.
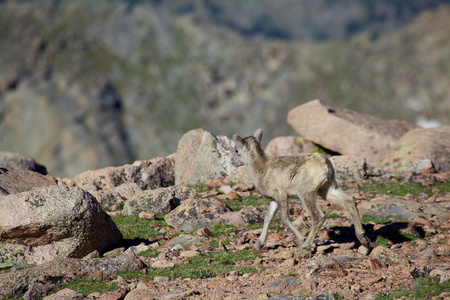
x=236, y=150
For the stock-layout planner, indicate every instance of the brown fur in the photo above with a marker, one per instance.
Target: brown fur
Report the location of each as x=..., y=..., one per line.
x=303, y=175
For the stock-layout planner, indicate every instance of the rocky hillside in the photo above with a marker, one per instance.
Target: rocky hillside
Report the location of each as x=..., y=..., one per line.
x=84, y=85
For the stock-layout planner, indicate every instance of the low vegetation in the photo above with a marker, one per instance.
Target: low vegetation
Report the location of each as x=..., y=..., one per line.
x=425, y=288
x=203, y=265
x=217, y=260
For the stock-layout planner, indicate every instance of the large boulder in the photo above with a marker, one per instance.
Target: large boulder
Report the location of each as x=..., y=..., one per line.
x=55, y=222
x=16, y=161
x=193, y=214
x=148, y=174
x=418, y=145
x=202, y=156
x=347, y=132
x=114, y=199
x=16, y=283
x=158, y=201
x=349, y=168
x=13, y=182
x=289, y=145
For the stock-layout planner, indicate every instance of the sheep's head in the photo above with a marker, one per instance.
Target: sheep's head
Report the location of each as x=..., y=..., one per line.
x=249, y=147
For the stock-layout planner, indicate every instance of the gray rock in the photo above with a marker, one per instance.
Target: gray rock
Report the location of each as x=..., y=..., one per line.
x=241, y=217
x=115, y=198
x=55, y=222
x=148, y=174
x=202, y=156
x=417, y=145
x=65, y=294
x=16, y=283
x=289, y=145
x=158, y=201
x=137, y=249
x=13, y=182
x=16, y=161
x=422, y=166
x=349, y=168
x=347, y=132
x=194, y=214
x=388, y=256
x=183, y=240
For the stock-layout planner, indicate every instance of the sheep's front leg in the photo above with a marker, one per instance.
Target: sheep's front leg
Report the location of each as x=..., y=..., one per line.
x=273, y=208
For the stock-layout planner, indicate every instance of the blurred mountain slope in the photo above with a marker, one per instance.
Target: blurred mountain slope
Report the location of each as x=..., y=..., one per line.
x=89, y=84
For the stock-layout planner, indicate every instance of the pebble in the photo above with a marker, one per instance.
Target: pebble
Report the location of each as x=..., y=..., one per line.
x=363, y=250
x=160, y=278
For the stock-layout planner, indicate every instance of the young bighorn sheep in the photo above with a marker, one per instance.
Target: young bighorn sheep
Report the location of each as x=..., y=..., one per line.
x=303, y=175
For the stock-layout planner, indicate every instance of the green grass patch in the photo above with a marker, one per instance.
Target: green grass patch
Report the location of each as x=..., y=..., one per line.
x=401, y=189
x=133, y=227
x=424, y=288
x=204, y=265
x=332, y=216
x=150, y=253
x=223, y=230
x=238, y=204
x=276, y=225
x=88, y=286
x=200, y=188
x=383, y=241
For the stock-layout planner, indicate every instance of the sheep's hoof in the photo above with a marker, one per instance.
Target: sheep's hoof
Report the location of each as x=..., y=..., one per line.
x=257, y=245
x=302, y=253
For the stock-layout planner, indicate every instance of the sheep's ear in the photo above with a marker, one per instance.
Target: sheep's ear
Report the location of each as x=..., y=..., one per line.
x=258, y=135
x=238, y=140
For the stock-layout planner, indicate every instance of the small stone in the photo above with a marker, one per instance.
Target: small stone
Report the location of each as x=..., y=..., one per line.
x=114, y=252
x=243, y=194
x=215, y=182
x=204, y=232
x=226, y=189
x=289, y=262
x=160, y=278
x=189, y=253
x=147, y=215
x=65, y=294
x=176, y=247
x=162, y=264
x=94, y=254
x=325, y=248
x=244, y=187
x=363, y=250
x=121, y=281
x=377, y=264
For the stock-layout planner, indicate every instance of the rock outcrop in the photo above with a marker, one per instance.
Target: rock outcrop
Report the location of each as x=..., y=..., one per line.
x=289, y=145
x=349, y=168
x=194, y=214
x=347, y=132
x=148, y=174
x=55, y=222
x=417, y=145
x=16, y=161
x=202, y=156
x=13, y=182
x=63, y=270
x=158, y=201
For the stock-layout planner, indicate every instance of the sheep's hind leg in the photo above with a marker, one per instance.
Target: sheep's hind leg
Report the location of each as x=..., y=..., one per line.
x=339, y=198
x=284, y=209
